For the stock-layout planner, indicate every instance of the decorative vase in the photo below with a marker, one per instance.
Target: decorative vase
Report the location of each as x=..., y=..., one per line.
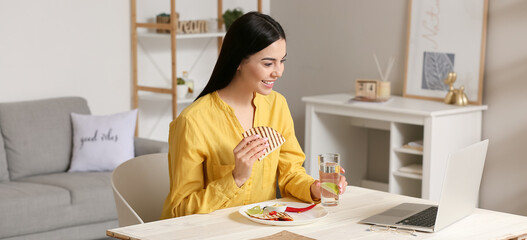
x=182, y=91
x=384, y=92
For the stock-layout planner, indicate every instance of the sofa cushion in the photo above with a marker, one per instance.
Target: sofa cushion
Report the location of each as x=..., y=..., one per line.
x=31, y=207
x=91, y=194
x=61, y=200
x=38, y=134
x=4, y=174
x=81, y=232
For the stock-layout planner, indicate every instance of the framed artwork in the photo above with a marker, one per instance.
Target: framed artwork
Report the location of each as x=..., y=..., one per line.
x=445, y=36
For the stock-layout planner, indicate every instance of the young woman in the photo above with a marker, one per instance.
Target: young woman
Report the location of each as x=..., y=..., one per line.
x=211, y=165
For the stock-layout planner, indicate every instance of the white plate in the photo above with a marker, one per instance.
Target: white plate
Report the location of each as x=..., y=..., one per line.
x=307, y=217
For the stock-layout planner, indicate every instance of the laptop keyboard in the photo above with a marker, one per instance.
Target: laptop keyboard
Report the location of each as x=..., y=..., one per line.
x=425, y=218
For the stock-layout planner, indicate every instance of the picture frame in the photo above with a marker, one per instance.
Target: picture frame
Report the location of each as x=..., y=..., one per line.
x=445, y=36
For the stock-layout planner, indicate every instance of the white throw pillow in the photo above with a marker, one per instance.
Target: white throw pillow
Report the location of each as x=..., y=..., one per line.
x=101, y=143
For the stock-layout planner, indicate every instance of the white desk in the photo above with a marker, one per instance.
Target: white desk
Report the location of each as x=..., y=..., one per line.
x=341, y=223
x=333, y=124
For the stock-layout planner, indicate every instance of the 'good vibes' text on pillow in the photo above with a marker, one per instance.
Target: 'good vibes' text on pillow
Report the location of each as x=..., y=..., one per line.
x=105, y=137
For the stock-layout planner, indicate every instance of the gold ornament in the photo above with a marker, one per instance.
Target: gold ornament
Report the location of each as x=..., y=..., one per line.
x=455, y=96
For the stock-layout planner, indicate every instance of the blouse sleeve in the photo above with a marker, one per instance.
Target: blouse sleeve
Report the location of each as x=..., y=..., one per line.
x=188, y=193
x=293, y=179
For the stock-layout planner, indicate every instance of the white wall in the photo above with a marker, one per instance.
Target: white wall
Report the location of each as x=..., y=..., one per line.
x=66, y=48
x=330, y=44
x=56, y=48
x=504, y=184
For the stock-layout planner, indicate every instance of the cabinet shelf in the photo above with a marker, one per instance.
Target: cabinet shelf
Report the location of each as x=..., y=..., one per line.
x=189, y=98
x=408, y=151
x=408, y=175
x=182, y=36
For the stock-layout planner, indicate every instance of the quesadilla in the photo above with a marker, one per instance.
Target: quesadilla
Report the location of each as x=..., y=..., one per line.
x=274, y=138
x=273, y=216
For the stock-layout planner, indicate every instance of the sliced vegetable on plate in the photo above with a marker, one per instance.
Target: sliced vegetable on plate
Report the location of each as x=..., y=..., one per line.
x=299, y=210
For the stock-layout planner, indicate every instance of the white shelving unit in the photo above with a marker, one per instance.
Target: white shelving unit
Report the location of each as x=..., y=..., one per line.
x=334, y=124
x=405, y=183
x=189, y=98
x=171, y=92
x=400, y=154
x=183, y=36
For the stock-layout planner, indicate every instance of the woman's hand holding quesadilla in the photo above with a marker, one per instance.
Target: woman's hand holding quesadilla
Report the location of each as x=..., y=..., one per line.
x=245, y=154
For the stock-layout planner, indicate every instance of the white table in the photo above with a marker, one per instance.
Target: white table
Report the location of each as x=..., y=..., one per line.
x=334, y=124
x=341, y=223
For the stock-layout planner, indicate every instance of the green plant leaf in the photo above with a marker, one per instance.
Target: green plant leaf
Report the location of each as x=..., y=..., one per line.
x=230, y=15
x=180, y=81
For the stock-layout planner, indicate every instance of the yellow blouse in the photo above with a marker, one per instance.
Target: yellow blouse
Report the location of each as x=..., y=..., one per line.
x=201, y=159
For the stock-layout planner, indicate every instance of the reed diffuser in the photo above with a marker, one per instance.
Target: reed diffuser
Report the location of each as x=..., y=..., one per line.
x=384, y=88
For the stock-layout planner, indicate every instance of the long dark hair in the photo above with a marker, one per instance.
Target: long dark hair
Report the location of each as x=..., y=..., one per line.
x=248, y=35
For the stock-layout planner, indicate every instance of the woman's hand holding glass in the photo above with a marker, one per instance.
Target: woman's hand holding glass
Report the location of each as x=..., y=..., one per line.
x=316, y=191
x=245, y=154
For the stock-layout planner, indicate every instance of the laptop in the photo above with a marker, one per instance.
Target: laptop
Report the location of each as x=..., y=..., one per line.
x=459, y=195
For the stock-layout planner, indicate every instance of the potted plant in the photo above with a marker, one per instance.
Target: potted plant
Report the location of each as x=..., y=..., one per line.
x=230, y=15
x=182, y=88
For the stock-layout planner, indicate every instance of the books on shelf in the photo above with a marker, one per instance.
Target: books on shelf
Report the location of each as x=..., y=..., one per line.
x=415, y=145
x=415, y=168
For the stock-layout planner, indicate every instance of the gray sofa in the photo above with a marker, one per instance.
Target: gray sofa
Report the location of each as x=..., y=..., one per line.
x=39, y=199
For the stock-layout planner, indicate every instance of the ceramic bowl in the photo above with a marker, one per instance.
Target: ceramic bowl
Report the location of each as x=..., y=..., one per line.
x=275, y=207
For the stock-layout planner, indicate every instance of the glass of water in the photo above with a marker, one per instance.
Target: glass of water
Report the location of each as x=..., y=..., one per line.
x=329, y=171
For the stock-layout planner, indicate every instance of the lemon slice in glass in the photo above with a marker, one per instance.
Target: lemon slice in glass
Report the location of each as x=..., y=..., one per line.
x=331, y=187
x=254, y=210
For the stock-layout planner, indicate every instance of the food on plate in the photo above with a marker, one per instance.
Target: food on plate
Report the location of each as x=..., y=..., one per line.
x=275, y=212
x=273, y=216
x=254, y=210
x=275, y=207
x=259, y=213
x=275, y=139
x=299, y=210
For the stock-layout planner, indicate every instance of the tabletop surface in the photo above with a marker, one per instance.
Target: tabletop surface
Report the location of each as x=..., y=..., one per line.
x=395, y=104
x=341, y=223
